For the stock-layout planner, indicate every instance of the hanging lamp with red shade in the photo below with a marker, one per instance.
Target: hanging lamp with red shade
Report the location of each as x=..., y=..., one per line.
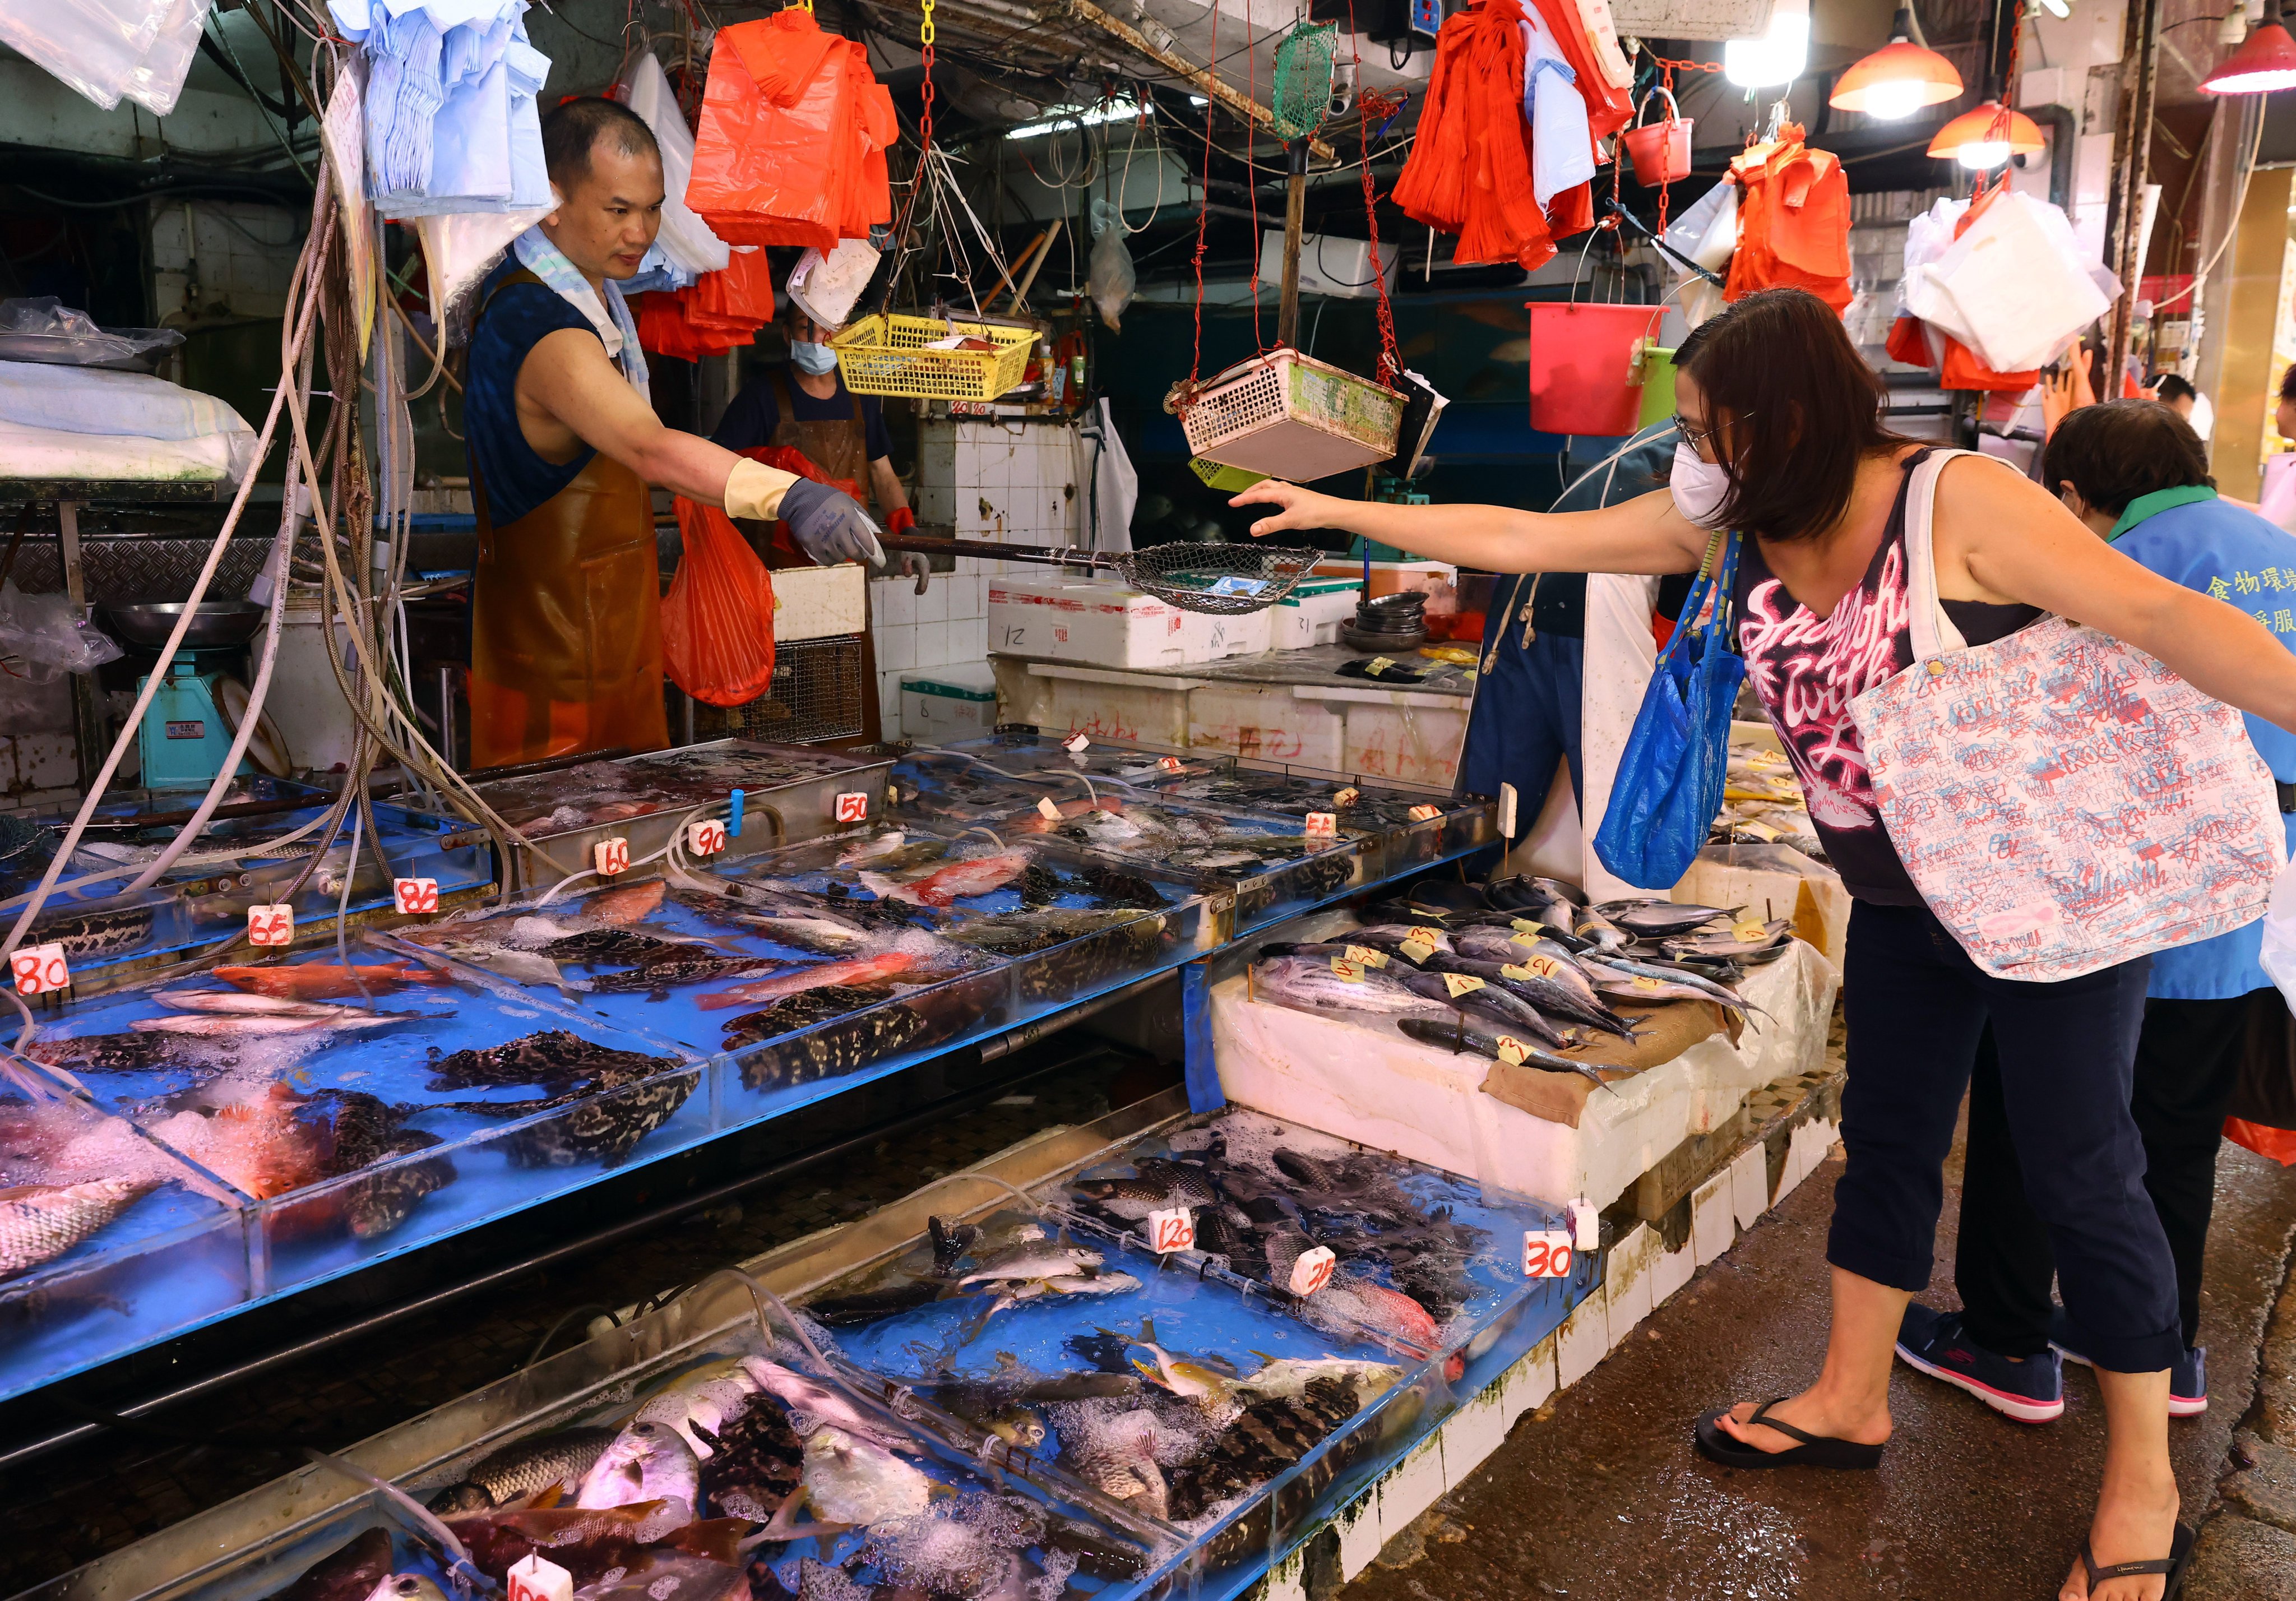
x=1898, y=79
x=2265, y=61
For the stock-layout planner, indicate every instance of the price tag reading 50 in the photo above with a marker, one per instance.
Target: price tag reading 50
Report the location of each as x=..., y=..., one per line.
x=1546, y=1253
x=853, y=806
x=39, y=970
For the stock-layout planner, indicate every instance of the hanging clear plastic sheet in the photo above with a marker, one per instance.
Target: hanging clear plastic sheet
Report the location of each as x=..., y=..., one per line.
x=109, y=50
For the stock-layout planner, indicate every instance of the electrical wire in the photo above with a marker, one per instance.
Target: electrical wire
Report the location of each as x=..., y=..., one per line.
x=2240, y=187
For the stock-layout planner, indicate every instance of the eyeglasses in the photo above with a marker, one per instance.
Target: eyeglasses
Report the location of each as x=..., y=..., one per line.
x=1698, y=438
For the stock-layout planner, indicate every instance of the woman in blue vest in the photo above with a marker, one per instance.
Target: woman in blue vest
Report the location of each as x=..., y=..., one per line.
x=2135, y=473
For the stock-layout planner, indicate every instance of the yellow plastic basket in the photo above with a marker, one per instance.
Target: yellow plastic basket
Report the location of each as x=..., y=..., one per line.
x=887, y=356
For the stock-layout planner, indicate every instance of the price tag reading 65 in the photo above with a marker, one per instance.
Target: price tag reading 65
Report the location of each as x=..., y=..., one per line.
x=271, y=925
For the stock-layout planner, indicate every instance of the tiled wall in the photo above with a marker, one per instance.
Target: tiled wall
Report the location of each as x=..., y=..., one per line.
x=1011, y=480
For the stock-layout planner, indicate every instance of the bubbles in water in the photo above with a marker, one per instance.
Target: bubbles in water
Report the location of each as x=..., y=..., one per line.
x=964, y=1546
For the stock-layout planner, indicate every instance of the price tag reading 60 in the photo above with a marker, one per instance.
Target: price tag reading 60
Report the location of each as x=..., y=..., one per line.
x=1546, y=1253
x=610, y=857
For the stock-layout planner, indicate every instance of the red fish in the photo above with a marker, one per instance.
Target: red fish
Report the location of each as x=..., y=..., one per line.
x=976, y=876
x=859, y=971
x=328, y=980
x=629, y=905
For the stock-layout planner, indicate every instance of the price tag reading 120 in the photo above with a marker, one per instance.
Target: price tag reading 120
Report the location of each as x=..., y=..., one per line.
x=271, y=925
x=1545, y=1253
x=39, y=970
x=1173, y=1230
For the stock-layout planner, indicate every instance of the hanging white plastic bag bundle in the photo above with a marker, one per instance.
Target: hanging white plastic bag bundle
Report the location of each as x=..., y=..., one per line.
x=1707, y=234
x=48, y=631
x=109, y=50
x=2014, y=288
x=684, y=238
x=1110, y=279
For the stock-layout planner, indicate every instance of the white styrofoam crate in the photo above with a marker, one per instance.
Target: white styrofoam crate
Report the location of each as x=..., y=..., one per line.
x=941, y=704
x=1313, y=613
x=1088, y=701
x=820, y=603
x=1412, y=739
x=1104, y=624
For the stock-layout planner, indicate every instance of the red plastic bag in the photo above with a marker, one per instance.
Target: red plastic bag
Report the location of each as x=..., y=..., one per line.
x=1468, y=170
x=718, y=619
x=2278, y=1144
x=791, y=144
x=722, y=311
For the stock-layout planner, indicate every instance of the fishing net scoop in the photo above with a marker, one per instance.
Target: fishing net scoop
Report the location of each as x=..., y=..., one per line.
x=1225, y=581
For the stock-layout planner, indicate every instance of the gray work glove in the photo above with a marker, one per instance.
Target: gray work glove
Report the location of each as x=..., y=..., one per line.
x=829, y=525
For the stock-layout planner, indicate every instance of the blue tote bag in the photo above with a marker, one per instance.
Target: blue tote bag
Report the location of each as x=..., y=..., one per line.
x=1669, y=787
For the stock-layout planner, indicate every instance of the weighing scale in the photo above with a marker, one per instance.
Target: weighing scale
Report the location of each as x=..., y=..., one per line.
x=188, y=729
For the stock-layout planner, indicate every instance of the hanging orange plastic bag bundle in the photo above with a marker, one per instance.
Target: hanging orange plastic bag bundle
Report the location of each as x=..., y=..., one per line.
x=721, y=311
x=792, y=141
x=718, y=619
x=1468, y=170
x=1793, y=223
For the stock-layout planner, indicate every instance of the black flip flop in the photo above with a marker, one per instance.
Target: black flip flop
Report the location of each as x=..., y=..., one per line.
x=1816, y=1450
x=2179, y=1558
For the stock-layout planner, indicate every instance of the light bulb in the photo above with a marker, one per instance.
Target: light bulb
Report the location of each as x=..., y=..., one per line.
x=1978, y=154
x=1780, y=56
x=1894, y=102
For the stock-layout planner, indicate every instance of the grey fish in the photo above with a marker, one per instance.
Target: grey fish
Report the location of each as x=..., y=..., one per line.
x=802, y=931
x=226, y=1025
x=1657, y=919
x=39, y=1222
x=1704, y=987
x=1502, y=1006
x=95, y=933
x=526, y=1468
x=648, y=1461
x=1037, y=1259
x=1305, y=982
x=1774, y=934
x=1552, y=995
x=242, y=1002
x=1591, y=925
x=1461, y=1039
x=1157, y=1183
x=820, y=1405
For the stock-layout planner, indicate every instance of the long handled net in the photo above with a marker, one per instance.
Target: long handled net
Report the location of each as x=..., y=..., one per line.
x=1224, y=580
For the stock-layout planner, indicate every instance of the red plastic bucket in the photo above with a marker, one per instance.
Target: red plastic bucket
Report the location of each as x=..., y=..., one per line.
x=1581, y=358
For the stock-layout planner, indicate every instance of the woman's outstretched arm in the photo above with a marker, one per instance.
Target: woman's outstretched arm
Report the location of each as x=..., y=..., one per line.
x=1642, y=535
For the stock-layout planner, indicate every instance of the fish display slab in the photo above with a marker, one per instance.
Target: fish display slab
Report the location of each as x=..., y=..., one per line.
x=1271, y=865
x=788, y=792
x=1357, y=1077
x=367, y=1125
x=1377, y=817
x=110, y=938
x=88, y=1205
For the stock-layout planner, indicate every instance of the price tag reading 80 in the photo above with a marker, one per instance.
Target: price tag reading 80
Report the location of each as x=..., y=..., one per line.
x=271, y=925
x=852, y=806
x=415, y=897
x=610, y=857
x=39, y=970
x=1313, y=1271
x=705, y=836
x=1546, y=1253
x=1173, y=1230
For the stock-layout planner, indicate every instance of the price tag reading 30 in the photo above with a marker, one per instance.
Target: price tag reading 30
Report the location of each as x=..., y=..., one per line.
x=271, y=925
x=415, y=897
x=1546, y=1253
x=1366, y=954
x=39, y=970
x=1173, y=1230
x=1313, y=1271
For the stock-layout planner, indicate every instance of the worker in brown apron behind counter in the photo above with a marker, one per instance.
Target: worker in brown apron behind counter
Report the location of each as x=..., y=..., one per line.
x=806, y=406
x=566, y=624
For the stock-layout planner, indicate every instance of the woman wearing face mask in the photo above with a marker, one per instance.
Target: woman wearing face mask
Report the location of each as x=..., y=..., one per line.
x=1783, y=440
x=807, y=407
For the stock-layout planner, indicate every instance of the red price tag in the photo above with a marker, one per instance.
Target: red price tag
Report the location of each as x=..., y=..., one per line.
x=610, y=857
x=1545, y=1253
x=706, y=836
x=1346, y=798
x=271, y=925
x=415, y=897
x=535, y=1578
x=1313, y=1271
x=39, y=970
x=1173, y=1230
x=852, y=806
x=1322, y=826
x=1171, y=764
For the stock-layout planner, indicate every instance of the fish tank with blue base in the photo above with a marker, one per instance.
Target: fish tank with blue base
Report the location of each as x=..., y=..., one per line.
x=88, y=1204
x=368, y=1108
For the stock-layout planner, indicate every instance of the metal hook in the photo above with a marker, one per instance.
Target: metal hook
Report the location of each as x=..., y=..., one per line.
x=918, y=567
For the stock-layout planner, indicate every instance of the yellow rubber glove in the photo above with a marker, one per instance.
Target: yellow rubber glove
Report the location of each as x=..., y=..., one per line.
x=753, y=489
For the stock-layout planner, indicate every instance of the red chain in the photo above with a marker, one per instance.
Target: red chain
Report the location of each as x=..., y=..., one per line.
x=1390, y=362
x=925, y=92
x=1204, y=212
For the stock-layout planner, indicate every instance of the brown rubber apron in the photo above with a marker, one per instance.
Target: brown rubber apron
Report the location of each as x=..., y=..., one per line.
x=566, y=620
x=839, y=446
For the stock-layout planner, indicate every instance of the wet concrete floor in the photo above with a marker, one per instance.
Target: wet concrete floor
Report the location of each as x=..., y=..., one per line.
x=1601, y=1495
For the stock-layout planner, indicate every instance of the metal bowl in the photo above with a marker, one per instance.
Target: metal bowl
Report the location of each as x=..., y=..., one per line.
x=148, y=623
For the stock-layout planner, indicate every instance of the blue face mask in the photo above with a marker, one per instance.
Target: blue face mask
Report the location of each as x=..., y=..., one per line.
x=813, y=358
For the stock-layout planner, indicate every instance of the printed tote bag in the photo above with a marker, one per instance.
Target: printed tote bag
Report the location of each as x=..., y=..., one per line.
x=2063, y=800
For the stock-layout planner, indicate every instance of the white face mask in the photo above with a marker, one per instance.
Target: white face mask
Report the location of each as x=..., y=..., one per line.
x=811, y=357
x=1699, y=487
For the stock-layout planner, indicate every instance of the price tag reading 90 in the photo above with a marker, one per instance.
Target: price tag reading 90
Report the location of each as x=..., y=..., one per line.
x=705, y=836
x=1546, y=1253
x=39, y=970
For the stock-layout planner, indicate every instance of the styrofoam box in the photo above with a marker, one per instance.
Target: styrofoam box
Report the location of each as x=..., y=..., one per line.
x=948, y=703
x=1313, y=613
x=1095, y=702
x=1410, y=738
x=820, y=603
x=1268, y=722
x=1107, y=624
